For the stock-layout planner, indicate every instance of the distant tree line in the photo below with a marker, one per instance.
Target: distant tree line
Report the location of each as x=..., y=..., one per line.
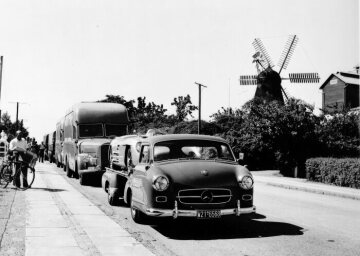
x=270, y=134
x=11, y=127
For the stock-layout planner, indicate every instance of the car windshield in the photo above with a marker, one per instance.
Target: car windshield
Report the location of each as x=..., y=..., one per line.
x=90, y=130
x=192, y=149
x=115, y=130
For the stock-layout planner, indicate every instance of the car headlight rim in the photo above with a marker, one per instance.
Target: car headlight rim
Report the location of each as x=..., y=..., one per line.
x=160, y=183
x=246, y=182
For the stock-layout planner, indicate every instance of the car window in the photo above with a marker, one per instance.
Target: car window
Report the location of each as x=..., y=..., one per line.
x=161, y=153
x=192, y=149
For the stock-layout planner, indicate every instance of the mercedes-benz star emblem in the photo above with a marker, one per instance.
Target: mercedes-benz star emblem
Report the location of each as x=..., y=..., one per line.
x=206, y=196
x=205, y=172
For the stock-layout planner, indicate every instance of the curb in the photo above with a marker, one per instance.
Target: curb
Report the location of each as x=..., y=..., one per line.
x=354, y=196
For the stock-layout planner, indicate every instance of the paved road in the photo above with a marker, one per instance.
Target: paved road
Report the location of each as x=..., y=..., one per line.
x=288, y=222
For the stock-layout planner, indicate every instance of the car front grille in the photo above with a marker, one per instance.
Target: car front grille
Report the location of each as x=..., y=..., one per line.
x=204, y=196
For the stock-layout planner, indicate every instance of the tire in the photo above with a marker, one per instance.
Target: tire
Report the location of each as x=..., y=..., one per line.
x=68, y=171
x=113, y=199
x=25, y=181
x=82, y=179
x=76, y=173
x=64, y=166
x=136, y=214
x=5, y=175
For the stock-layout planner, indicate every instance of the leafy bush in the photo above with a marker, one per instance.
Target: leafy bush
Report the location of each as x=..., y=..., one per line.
x=338, y=134
x=340, y=172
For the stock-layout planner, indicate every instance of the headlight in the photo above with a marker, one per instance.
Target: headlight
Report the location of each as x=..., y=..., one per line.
x=246, y=182
x=161, y=183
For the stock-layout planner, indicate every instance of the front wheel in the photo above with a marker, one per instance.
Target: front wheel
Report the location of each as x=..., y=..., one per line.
x=68, y=171
x=24, y=177
x=5, y=175
x=136, y=214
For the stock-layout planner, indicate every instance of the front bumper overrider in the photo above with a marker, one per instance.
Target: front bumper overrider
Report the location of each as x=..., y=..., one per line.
x=193, y=213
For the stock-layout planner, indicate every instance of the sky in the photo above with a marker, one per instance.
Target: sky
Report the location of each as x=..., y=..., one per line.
x=58, y=53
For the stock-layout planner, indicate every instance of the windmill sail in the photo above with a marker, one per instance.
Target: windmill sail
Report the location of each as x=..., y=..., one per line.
x=287, y=52
x=259, y=47
x=304, y=77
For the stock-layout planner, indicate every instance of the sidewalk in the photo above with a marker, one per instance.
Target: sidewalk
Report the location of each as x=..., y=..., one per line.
x=61, y=221
x=273, y=178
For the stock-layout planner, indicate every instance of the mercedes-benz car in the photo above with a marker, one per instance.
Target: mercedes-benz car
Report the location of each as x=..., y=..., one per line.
x=187, y=175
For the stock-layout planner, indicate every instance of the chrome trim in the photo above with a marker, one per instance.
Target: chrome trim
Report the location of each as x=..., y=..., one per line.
x=175, y=213
x=199, y=196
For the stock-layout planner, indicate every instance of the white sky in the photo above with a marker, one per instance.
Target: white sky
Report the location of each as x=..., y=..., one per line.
x=57, y=53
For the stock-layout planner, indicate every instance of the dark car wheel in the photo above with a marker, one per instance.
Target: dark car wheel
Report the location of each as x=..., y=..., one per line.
x=136, y=214
x=83, y=179
x=68, y=171
x=112, y=198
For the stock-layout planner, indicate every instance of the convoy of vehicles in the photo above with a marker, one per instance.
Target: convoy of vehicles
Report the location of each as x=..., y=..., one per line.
x=88, y=130
x=180, y=175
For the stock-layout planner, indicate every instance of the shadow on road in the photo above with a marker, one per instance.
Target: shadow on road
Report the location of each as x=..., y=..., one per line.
x=226, y=228
x=49, y=189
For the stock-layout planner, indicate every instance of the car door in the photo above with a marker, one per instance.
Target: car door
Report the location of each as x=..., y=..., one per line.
x=139, y=175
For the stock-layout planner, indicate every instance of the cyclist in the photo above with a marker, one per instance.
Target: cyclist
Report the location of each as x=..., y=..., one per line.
x=19, y=145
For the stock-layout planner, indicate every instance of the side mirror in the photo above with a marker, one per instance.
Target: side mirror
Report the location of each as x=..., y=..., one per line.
x=240, y=160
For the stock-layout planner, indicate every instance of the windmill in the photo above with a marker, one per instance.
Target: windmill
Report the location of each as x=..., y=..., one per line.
x=268, y=81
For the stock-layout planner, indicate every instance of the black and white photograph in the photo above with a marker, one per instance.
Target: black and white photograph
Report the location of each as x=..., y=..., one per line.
x=176, y=128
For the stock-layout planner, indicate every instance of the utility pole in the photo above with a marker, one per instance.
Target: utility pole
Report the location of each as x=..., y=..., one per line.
x=1, y=67
x=17, y=112
x=199, y=119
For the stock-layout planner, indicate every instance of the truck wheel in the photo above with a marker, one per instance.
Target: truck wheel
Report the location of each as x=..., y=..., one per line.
x=136, y=214
x=112, y=198
x=82, y=179
x=68, y=171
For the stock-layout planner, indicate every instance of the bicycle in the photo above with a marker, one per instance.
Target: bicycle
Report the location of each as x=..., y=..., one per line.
x=18, y=171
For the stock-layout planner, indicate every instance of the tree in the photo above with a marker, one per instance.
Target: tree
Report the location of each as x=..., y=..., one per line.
x=10, y=128
x=184, y=107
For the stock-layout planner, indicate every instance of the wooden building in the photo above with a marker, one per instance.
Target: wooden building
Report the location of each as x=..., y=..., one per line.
x=341, y=90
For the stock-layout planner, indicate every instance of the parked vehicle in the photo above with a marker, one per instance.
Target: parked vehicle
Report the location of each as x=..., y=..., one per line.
x=185, y=175
x=51, y=147
x=88, y=130
x=124, y=155
x=59, y=140
x=46, y=144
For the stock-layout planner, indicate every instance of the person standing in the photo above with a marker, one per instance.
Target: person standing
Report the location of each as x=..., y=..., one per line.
x=41, y=152
x=19, y=145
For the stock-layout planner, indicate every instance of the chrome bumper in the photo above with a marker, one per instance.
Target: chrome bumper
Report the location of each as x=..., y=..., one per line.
x=193, y=213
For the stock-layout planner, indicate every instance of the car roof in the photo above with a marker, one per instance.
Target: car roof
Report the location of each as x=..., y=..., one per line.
x=159, y=138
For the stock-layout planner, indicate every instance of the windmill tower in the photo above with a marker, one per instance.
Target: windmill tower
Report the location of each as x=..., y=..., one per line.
x=268, y=81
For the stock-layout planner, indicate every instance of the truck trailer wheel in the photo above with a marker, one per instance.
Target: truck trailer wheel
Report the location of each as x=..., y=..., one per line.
x=113, y=199
x=83, y=179
x=68, y=171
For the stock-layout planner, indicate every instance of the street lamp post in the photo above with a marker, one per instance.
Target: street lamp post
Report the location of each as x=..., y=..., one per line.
x=199, y=119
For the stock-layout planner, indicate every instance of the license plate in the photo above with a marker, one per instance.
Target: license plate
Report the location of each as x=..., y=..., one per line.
x=208, y=214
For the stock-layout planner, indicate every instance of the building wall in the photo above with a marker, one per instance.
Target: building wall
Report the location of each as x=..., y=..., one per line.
x=352, y=96
x=333, y=93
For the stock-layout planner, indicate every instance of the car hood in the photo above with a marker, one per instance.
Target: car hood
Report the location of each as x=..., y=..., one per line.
x=202, y=173
x=92, y=145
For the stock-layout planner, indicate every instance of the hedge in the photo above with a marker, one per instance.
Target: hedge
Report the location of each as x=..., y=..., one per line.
x=343, y=172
